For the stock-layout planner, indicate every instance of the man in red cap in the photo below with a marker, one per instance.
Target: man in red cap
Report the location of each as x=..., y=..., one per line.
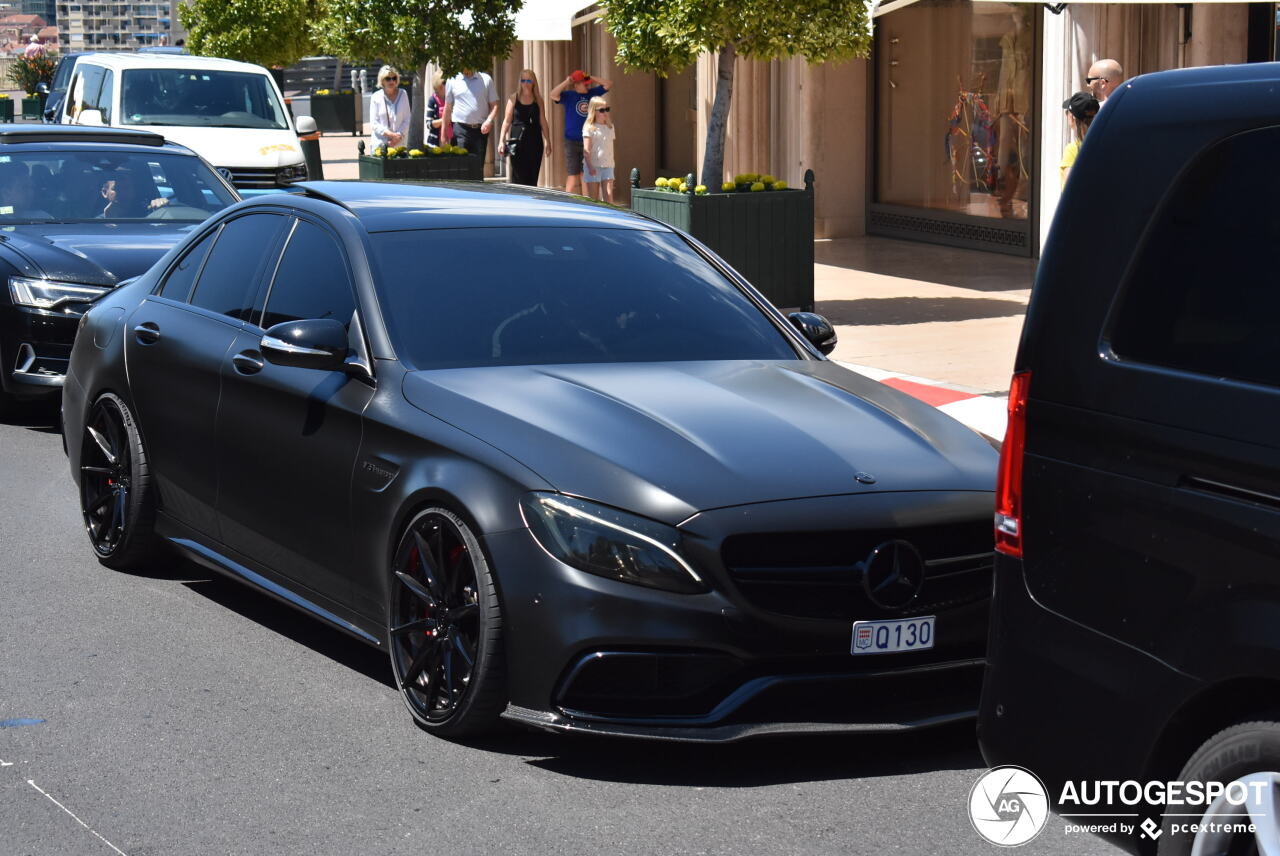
x=575, y=93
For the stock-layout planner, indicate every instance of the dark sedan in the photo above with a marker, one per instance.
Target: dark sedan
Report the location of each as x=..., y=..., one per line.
x=81, y=210
x=556, y=459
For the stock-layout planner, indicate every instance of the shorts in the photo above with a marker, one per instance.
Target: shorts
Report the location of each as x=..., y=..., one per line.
x=573, y=156
x=604, y=173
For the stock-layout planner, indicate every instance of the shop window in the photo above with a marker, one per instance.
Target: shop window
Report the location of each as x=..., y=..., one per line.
x=955, y=107
x=1201, y=296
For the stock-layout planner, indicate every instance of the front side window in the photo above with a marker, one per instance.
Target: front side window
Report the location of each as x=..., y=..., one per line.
x=1200, y=296
x=312, y=280
x=203, y=98
x=228, y=283
x=531, y=296
x=181, y=279
x=67, y=186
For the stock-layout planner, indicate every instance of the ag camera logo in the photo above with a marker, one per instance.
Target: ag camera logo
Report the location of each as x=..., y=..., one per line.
x=1008, y=806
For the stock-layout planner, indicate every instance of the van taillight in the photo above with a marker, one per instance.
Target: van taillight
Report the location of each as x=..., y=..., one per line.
x=1009, y=476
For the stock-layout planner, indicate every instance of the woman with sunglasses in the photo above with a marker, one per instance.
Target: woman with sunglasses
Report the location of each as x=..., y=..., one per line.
x=389, y=109
x=597, y=149
x=525, y=136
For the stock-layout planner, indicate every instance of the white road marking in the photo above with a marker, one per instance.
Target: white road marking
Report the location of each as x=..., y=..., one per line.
x=76, y=819
x=6, y=763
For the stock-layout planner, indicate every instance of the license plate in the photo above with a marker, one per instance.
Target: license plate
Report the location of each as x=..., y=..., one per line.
x=884, y=637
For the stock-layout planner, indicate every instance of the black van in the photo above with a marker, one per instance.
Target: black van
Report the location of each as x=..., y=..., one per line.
x=1136, y=623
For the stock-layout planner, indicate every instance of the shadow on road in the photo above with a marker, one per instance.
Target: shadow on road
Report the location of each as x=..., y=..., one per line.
x=973, y=269
x=42, y=416
x=918, y=310
x=752, y=763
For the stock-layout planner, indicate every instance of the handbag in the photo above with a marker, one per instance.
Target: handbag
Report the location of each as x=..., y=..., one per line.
x=514, y=137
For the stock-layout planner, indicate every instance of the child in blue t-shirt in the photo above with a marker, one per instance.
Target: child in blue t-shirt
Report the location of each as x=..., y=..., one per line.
x=575, y=93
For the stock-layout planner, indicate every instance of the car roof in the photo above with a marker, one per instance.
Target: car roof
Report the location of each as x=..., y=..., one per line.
x=140, y=60
x=384, y=206
x=83, y=136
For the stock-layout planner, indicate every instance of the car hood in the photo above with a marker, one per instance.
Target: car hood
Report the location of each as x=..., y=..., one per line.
x=256, y=148
x=670, y=439
x=94, y=253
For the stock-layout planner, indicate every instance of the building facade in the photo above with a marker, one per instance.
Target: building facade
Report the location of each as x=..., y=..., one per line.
x=950, y=132
x=89, y=26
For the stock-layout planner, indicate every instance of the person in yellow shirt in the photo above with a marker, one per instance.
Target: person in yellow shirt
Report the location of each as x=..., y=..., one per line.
x=1081, y=108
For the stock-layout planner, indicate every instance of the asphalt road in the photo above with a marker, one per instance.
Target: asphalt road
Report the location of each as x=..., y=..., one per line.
x=183, y=714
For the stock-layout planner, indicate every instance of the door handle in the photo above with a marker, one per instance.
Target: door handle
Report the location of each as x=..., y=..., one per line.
x=248, y=362
x=147, y=333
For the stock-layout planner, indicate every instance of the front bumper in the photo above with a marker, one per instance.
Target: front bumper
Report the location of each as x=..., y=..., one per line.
x=596, y=655
x=34, y=350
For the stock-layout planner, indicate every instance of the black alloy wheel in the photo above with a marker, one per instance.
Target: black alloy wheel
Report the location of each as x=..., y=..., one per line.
x=115, y=487
x=444, y=627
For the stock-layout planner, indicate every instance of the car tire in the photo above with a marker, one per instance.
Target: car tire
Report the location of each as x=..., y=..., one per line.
x=444, y=627
x=117, y=497
x=1250, y=749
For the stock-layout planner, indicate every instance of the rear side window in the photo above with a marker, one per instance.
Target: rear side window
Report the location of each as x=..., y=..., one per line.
x=184, y=273
x=312, y=280
x=229, y=281
x=1202, y=294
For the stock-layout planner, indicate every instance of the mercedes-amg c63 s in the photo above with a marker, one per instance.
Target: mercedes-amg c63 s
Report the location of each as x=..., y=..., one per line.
x=557, y=459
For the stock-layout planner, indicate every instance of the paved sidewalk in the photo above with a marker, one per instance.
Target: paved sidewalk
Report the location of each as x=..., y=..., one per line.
x=941, y=324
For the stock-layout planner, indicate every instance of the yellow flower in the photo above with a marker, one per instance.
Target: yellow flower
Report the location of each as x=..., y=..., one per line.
x=729, y=186
x=757, y=186
x=661, y=182
x=779, y=185
x=416, y=153
x=684, y=188
x=436, y=150
x=768, y=179
x=701, y=190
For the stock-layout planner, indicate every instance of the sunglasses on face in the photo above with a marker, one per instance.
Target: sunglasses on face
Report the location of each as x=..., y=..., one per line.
x=602, y=110
x=1088, y=81
x=390, y=78
x=525, y=80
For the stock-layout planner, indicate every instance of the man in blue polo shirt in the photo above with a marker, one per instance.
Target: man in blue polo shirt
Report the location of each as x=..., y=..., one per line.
x=575, y=93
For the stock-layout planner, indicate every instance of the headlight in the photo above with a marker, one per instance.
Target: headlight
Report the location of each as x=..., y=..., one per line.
x=287, y=174
x=609, y=543
x=47, y=294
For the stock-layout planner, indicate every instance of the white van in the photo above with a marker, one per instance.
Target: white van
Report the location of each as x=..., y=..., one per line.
x=230, y=113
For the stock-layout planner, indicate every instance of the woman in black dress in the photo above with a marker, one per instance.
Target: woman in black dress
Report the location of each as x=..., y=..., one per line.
x=525, y=136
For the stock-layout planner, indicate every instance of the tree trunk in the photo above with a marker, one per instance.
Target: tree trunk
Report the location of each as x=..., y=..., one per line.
x=713, y=155
x=418, y=117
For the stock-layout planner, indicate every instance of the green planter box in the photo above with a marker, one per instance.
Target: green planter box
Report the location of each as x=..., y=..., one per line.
x=430, y=168
x=6, y=109
x=335, y=113
x=31, y=109
x=767, y=236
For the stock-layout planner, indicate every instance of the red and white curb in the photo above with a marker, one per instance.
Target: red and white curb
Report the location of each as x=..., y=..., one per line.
x=982, y=411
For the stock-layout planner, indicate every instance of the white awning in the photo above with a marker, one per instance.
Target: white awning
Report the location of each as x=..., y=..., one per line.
x=548, y=20
x=883, y=7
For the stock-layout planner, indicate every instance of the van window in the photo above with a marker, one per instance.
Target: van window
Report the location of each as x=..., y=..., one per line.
x=200, y=97
x=1200, y=296
x=85, y=89
x=105, y=96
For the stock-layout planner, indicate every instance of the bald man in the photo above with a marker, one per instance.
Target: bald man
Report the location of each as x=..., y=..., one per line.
x=1105, y=76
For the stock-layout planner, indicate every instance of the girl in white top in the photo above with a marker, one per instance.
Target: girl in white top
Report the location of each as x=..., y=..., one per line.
x=597, y=149
x=390, y=110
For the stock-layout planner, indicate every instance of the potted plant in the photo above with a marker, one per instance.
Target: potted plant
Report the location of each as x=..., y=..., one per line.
x=436, y=163
x=6, y=108
x=335, y=110
x=27, y=73
x=757, y=224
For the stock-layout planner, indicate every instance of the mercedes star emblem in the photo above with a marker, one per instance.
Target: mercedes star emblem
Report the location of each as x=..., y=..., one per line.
x=893, y=574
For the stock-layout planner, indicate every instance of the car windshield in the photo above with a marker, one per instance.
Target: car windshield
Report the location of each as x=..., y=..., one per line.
x=536, y=296
x=200, y=97
x=107, y=185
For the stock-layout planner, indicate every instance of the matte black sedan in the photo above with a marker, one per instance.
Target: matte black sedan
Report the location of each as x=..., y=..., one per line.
x=81, y=210
x=554, y=457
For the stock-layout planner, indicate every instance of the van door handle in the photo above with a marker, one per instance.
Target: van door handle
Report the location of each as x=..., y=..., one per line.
x=147, y=333
x=248, y=362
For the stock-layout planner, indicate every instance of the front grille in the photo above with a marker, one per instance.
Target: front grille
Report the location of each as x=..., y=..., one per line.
x=252, y=177
x=816, y=574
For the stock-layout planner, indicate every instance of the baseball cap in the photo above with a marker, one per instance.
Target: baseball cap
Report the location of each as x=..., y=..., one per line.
x=1082, y=105
x=580, y=76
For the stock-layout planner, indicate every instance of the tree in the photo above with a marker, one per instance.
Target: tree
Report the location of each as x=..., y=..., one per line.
x=267, y=32
x=29, y=70
x=665, y=35
x=409, y=34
